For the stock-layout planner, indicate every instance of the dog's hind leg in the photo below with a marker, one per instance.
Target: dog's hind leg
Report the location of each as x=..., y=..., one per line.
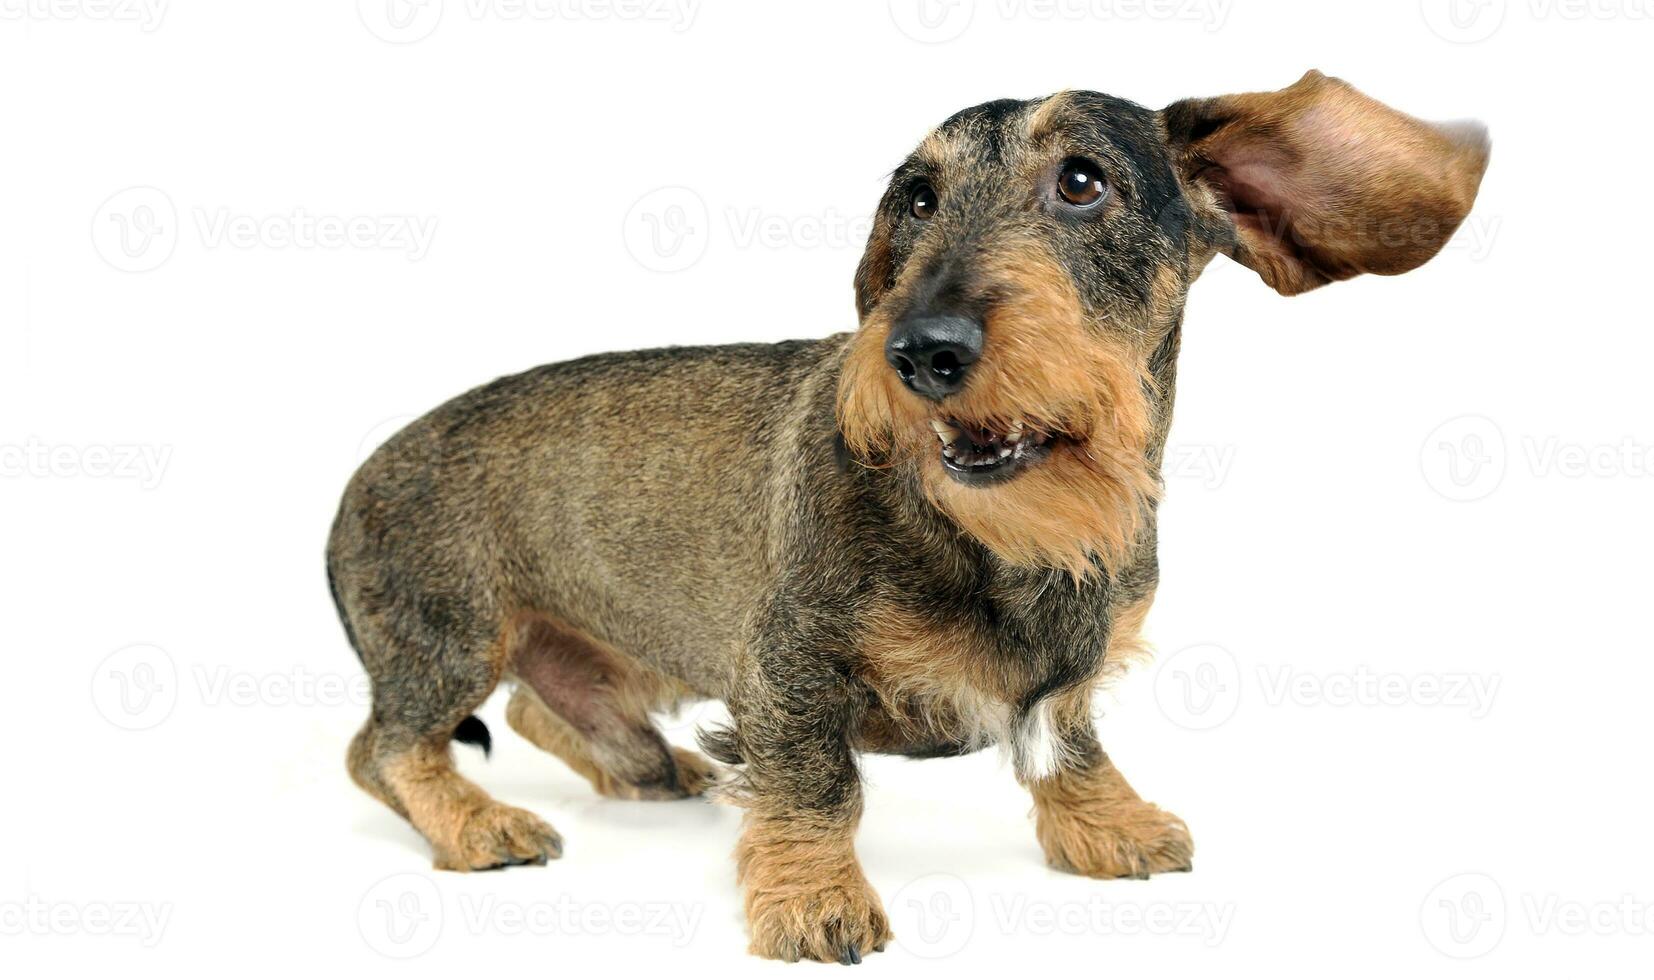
x=531, y=719
x=589, y=706
x=401, y=756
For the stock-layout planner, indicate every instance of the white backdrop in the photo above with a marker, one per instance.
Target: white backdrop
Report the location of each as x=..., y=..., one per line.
x=1404, y=654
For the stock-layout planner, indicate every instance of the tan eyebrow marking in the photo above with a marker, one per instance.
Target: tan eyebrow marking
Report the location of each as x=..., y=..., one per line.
x=935, y=148
x=1047, y=115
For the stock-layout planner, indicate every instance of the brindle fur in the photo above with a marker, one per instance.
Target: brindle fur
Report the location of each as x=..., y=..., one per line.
x=626, y=531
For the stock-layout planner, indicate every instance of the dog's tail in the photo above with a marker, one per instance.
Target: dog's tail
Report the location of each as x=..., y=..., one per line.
x=471, y=731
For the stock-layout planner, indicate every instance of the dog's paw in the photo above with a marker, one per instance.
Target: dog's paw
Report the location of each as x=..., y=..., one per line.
x=838, y=922
x=497, y=836
x=692, y=774
x=1126, y=840
x=696, y=773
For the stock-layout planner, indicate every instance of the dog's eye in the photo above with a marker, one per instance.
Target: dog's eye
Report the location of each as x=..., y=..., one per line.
x=1081, y=183
x=923, y=202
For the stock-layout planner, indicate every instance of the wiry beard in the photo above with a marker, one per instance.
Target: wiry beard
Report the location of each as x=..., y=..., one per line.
x=1044, y=375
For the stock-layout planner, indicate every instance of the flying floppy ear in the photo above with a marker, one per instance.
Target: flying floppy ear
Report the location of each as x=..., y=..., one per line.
x=1321, y=183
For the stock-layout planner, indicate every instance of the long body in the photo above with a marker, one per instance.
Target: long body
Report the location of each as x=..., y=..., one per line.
x=657, y=500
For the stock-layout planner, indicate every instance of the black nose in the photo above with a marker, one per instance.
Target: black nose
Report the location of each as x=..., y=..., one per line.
x=932, y=354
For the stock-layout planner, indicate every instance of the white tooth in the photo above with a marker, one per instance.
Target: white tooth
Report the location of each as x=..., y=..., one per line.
x=1004, y=452
x=944, y=431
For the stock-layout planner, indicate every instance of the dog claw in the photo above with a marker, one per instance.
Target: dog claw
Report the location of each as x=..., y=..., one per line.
x=512, y=861
x=851, y=955
x=499, y=836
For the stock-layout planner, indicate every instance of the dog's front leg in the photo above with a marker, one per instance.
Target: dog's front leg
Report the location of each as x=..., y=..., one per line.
x=806, y=896
x=1091, y=822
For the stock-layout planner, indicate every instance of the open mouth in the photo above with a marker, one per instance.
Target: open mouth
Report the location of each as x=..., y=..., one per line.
x=977, y=456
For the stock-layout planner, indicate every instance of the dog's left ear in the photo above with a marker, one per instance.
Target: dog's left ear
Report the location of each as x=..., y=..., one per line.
x=877, y=266
x=1319, y=182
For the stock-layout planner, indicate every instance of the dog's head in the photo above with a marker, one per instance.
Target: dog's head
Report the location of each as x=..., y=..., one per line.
x=1030, y=259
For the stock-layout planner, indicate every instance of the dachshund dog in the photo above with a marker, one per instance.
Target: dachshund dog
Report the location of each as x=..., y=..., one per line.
x=931, y=535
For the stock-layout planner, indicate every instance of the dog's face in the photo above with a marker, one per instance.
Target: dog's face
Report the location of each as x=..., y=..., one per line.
x=1029, y=259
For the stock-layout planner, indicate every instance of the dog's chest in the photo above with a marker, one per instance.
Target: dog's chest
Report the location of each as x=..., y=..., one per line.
x=965, y=675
